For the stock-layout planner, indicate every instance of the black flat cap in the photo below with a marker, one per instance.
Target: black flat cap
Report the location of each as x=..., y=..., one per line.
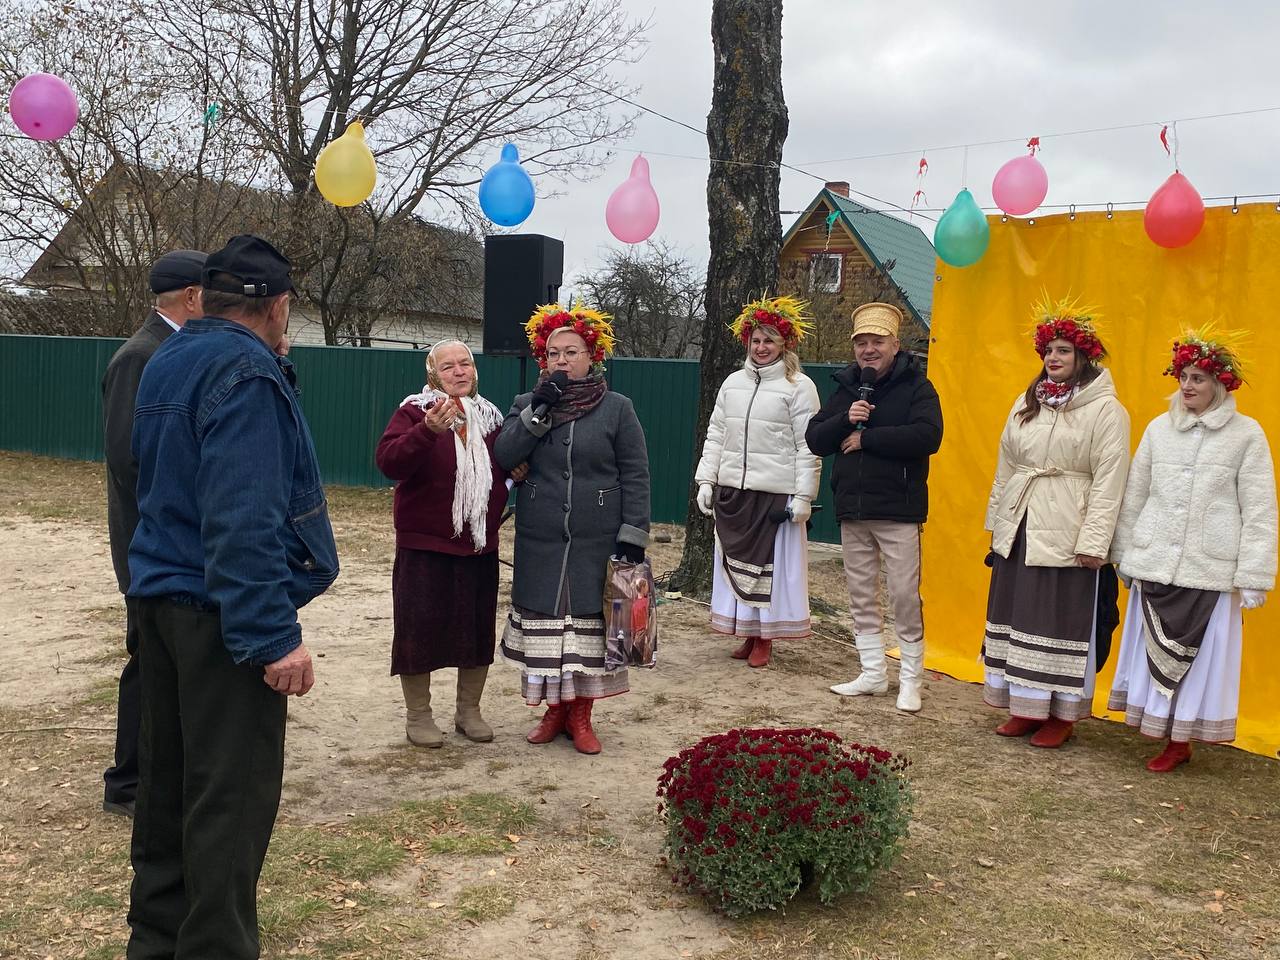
x=177, y=269
x=249, y=266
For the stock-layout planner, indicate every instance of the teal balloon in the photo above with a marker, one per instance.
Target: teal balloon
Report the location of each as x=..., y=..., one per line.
x=962, y=233
x=506, y=192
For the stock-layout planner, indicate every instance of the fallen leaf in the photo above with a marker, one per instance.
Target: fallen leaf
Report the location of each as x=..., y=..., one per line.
x=514, y=838
x=1213, y=907
x=1138, y=820
x=1219, y=894
x=1128, y=786
x=986, y=862
x=1167, y=806
x=435, y=904
x=909, y=893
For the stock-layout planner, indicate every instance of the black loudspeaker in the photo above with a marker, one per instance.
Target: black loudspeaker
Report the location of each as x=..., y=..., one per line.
x=521, y=272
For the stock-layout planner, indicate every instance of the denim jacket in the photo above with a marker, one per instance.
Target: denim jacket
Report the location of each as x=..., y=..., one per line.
x=231, y=510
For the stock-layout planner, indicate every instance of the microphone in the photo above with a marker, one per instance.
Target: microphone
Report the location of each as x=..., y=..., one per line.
x=866, y=387
x=540, y=413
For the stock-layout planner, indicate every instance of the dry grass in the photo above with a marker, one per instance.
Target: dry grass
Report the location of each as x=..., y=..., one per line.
x=1014, y=852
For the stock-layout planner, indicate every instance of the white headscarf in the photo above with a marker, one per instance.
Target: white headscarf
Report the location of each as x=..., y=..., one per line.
x=473, y=481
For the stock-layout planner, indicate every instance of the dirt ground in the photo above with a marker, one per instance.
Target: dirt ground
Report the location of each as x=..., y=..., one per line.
x=387, y=851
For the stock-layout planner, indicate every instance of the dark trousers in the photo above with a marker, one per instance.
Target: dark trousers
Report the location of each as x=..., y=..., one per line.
x=211, y=763
x=122, y=778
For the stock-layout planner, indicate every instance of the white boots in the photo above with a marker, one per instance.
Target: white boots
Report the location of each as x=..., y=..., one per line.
x=874, y=678
x=910, y=675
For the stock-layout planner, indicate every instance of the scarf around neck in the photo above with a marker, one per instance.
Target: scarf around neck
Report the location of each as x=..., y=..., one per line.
x=580, y=397
x=1053, y=394
x=473, y=479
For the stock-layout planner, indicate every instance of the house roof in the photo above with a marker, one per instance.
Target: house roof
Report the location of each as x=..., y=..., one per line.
x=886, y=238
x=449, y=282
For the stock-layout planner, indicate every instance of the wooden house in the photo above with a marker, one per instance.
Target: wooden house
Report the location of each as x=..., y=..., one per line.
x=840, y=254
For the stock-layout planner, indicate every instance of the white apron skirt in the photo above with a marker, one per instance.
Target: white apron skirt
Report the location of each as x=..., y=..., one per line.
x=787, y=616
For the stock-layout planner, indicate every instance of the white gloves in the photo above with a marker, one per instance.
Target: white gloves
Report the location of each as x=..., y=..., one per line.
x=800, y=509
x=1249, y=599
x=705, y=493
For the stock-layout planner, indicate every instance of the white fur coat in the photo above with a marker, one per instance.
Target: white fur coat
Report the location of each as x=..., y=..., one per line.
x=1200, y=506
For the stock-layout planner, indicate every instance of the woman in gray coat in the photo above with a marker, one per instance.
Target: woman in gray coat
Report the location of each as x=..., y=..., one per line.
x=586, y=498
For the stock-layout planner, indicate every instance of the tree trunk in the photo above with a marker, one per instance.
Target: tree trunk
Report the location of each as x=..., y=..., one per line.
x=747, y=124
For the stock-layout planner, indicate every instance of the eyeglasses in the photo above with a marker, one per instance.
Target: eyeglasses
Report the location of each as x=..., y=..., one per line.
x=571, y=354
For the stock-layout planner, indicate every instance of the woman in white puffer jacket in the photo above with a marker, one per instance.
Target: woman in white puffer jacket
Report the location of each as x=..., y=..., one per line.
x=758, y=478
x=1196, y=541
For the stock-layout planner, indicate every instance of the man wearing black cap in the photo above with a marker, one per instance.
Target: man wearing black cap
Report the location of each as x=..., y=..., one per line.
x=175, y=281
x=233, y=537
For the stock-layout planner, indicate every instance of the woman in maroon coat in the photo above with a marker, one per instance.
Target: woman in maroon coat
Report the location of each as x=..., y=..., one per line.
x=450, y=493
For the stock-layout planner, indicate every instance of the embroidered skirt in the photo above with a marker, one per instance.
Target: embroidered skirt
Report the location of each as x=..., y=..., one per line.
x=1206, y=702
x=787, y=615
x=561, y=658
x=444, y=609
x=1038, y=649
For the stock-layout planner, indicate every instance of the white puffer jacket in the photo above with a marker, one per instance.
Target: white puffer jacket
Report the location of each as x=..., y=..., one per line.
x=1200, y=507
x=1064, y=473
x=755, y=440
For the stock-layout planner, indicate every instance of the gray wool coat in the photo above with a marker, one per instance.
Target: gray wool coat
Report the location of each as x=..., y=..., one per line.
x=587, y=490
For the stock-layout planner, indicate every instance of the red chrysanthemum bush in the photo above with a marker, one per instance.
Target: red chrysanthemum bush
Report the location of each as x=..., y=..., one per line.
x=750, y=813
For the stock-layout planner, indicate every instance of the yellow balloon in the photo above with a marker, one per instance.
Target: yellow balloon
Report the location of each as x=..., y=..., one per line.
x=345, y=170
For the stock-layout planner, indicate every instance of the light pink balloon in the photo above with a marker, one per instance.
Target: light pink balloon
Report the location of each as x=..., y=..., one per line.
x=1020, y=186
x=632, y=211
x=43, y=106
x=1175, y=213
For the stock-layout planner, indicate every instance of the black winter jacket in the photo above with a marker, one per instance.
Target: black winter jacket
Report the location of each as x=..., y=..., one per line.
x=888, y=478
x=119, y=391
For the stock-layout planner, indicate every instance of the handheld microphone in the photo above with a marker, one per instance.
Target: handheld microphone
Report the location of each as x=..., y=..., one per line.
x=866, y=387
x=543, y=410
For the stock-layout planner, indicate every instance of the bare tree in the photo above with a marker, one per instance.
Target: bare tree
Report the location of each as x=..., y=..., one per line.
x=748, y=122
x=140, y=173
x=656, y=299
x=439, y=84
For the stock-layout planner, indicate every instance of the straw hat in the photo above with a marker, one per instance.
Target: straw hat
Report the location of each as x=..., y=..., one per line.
x=880, y=319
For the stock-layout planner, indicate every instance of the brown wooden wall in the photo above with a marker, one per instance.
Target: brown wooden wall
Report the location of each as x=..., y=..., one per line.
x=862, y=283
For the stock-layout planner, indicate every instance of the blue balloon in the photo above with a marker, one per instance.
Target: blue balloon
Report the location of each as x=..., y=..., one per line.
x=506, y=192
x=962, y=234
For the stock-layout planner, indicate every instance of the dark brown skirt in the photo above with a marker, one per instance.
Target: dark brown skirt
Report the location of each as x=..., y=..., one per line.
x=1039, y=622
x=445, y=608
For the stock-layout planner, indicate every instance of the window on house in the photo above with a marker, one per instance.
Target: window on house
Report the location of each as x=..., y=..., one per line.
x=826, y=272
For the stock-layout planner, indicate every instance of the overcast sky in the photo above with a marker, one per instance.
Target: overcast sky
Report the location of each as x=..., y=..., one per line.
x=869, y=78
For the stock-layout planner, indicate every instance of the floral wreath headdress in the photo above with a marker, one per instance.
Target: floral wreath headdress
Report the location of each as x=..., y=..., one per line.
x=1067, y=320
x=785, y=314
x=1216, y=352
x=592, y=326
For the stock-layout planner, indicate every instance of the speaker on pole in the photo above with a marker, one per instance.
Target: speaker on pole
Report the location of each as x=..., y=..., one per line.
x=521, y=272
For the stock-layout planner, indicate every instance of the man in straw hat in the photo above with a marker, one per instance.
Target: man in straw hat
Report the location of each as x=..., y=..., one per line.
x=882, y=424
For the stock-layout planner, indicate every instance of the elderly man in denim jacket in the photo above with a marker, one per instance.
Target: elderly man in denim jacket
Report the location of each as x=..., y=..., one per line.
x=233, y=538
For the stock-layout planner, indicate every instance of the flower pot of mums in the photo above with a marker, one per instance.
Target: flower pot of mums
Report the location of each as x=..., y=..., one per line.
x=752, y=815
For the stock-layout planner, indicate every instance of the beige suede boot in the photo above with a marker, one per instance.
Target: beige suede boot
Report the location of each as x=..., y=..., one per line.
x=419, y=727
x=466, y=719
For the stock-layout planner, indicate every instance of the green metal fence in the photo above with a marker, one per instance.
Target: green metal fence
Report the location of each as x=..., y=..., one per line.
x=51, y=404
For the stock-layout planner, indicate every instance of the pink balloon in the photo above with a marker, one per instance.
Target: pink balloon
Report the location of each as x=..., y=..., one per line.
x=43, y=106
x=1020, y=186
x=632, y=211
x=1175, y=213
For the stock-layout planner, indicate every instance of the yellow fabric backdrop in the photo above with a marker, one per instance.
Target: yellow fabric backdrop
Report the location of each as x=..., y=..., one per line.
x=981, y=358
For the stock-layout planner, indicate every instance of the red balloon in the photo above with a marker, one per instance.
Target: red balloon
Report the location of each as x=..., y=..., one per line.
x=1175, y=213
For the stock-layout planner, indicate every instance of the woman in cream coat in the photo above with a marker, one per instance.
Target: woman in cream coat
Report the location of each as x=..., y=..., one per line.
x=1196, y=541
x=1052, y=512
x=759, y=479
